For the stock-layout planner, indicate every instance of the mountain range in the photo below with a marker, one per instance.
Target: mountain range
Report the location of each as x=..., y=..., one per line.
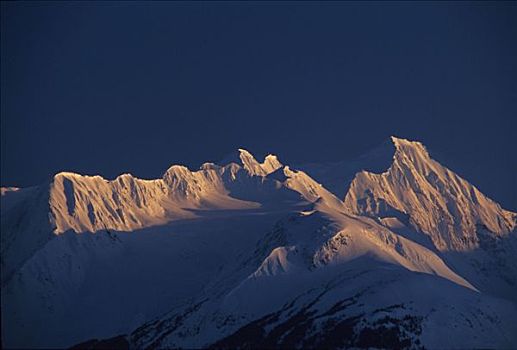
x=391, y=250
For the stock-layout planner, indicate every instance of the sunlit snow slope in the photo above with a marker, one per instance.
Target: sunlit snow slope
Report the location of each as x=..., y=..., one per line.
x=391, y=250
x=434, y=199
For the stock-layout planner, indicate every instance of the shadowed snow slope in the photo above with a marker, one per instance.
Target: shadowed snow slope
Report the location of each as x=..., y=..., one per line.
x=325, y=279
x=257, y=254
x=80, y=203
x=320, y=279
x=418, y=197
x=326, y=237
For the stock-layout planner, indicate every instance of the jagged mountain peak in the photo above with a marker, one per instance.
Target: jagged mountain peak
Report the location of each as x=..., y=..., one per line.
x=337, y=176
x=429, y=197
x=385, y=153
x=255, y=229
x=393, y=149
x=413, y=152
x=401, y=142
x=250, y=164
x=91, y=203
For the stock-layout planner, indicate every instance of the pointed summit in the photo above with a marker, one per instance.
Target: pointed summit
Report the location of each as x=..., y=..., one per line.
x=434, y=199
x=399, y=140
x=413, y=150
x=250, y=164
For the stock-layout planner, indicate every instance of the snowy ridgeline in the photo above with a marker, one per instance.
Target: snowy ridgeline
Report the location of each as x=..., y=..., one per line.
x=392, y=249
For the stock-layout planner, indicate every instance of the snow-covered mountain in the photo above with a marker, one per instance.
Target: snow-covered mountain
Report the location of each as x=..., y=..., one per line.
x=391, y=250
x=432, y=198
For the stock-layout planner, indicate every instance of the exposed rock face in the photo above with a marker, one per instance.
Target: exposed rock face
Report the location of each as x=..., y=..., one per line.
x=249, y=254
x=434, y=199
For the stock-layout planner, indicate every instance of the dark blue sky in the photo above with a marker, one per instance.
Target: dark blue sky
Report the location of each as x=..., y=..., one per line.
x=102, y=88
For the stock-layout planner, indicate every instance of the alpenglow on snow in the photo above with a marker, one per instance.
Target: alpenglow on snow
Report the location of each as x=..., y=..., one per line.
x=389, y=250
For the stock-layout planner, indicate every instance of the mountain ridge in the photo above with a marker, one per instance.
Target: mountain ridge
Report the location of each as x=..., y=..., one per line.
x=206, y=243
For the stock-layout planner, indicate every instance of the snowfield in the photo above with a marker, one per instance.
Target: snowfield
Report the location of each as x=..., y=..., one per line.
x=391, y=250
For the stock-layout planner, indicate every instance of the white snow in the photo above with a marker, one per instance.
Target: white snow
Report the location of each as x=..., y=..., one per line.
x=227, y=244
